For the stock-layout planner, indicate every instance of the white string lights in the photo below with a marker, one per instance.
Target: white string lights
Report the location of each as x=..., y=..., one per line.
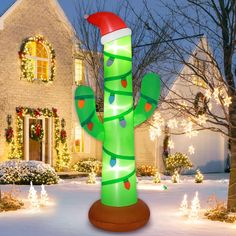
x=191, y=149
x=201, y=119
x=171, y=144
x=172, y=123
x=156, y=129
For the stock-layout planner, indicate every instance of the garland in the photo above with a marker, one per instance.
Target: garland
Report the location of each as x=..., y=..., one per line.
x=9, y=134
x=63, y=154
x=200, y=104
x=63, y=136
x=21, y=112
x=27, y=66
x=36, y=132
x=62, y=151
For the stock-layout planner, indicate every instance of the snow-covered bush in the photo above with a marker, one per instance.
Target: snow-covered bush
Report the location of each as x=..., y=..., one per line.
x=23, y=172
x=89, y=165
x=177, y=162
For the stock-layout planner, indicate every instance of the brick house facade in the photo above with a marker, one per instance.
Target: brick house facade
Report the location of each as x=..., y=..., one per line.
x=21, y=21
x=29, y=18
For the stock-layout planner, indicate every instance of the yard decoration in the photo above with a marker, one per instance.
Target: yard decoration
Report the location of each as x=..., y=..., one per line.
x=119, y=209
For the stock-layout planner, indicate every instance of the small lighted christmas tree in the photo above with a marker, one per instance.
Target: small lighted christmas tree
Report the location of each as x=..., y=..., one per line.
x=91, y=178
x=32, y=197
x=175, y=177
x=157, y=178
x=195, y=208
x=184, y=206
x=44, y=196
x=199, y=177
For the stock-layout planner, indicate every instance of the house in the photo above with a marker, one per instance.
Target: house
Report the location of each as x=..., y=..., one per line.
x=207, y=150
x=39, y=71
x=38, y=74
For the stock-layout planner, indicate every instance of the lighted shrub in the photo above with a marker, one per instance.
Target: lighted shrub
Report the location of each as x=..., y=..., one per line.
x=89, y=165
x=177, y=162
x=146, y=170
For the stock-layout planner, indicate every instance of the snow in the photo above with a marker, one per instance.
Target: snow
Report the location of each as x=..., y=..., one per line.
x=71, y=199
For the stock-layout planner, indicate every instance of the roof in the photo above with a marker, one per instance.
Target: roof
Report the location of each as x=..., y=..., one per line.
x=8, y=6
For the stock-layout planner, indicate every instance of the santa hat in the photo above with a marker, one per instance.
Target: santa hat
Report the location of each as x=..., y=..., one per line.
x=111, y=26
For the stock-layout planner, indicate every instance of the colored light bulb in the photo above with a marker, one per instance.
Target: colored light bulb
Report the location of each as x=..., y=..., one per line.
x=81, y=103
x=111, y=98
x=110, y=61
x=90, y=126
x=148, y=106
x=122, y=122
x=127, y=184
x=112, y=161
x=124, y=83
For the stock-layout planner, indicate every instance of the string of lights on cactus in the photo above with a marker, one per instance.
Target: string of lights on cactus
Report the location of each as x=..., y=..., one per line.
x=189, y=125
x=61, y=147
x=27, y=65
x=114, y=96
x=148, y=105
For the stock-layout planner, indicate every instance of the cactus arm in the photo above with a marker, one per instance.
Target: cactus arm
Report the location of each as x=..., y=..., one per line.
x=86, y=111
x=150, y=93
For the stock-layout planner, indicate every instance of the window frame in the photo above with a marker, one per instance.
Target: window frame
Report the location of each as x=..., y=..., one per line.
x=36, y=59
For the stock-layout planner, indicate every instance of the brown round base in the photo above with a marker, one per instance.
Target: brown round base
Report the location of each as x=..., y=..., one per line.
x=119, y=219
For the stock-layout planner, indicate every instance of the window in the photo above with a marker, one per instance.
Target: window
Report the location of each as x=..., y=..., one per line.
x=82, y=140
x=200, y=67
x=40, y=60
x=79, y=71
x=199, y=81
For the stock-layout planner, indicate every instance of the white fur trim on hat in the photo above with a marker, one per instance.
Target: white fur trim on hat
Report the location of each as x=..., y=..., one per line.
x=115, y=35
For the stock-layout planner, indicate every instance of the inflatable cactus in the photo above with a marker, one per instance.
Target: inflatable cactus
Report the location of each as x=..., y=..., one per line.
x=119, y=200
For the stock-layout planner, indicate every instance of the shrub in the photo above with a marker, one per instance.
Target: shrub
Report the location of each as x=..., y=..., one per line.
x=146, y=170
x=8, y=202
x=177, y=162
x=89, y=165
x=218, y=211
x=23, y=172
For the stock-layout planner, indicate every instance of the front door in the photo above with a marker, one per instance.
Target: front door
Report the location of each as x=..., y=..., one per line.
x=35, y=147
x=35, y=150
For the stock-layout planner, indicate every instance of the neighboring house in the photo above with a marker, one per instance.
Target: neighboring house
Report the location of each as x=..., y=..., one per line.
x=210, y=148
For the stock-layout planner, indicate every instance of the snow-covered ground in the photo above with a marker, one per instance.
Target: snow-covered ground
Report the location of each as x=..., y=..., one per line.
x=67, y=216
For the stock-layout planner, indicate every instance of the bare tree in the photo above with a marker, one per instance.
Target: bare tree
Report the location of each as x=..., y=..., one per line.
x=145, y=59
x=212, y=67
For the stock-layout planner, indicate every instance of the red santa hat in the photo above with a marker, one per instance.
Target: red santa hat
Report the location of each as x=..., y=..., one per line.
x=111, y=26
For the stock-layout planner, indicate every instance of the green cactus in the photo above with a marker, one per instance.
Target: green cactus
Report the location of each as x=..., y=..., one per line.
x=120, y=118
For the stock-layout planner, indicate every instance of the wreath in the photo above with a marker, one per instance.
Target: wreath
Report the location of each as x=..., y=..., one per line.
x=9, y=134
x=200, y=104
x=27, y=67
x=36, y=132
x=63, y=136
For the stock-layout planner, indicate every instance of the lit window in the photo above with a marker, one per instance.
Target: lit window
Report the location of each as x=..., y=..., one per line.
x=79, y=71
x=200, y=67
x=82, y=140
x=199, y=81
x=38, y=55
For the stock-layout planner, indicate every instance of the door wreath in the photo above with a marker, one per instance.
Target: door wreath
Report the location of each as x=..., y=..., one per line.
x=200, y=104
x=36, y=132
